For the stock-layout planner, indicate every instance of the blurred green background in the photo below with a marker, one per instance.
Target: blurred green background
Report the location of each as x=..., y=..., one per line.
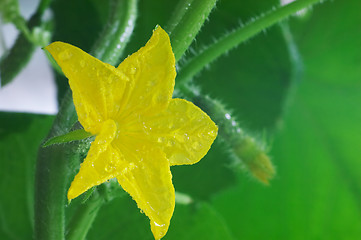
x=306, y=101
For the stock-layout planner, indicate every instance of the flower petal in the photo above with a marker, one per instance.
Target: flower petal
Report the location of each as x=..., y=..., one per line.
x=183, y=131
x=149, y=182
x=152, y=72
x=97, y=87
x=103, y=162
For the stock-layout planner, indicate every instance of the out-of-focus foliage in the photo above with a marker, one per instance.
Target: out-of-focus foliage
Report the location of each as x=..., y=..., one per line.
x=20, y=137
x=317, y=191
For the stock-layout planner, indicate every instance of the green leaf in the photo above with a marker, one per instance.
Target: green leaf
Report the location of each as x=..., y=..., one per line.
x=206, y=178
x=253, y=79
x=121, y=219
x=200, y=221
x=318, y=191
x=75, y=135
x=20, y=137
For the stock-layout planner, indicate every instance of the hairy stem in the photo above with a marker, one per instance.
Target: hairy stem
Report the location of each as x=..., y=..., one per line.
x=51, y=178
x=186, y=21
x=117, y=32
x=81, y=222
x=233, y=39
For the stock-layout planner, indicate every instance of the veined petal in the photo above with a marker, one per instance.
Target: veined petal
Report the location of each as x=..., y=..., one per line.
x=149, y=182
x=97, y=87
x=152, y=72
x=183, y=131
x=103, y=162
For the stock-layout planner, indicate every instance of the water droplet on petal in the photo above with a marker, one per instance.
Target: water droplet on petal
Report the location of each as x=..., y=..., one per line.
x=65, y=55
x=186, y=136
x=179, y=158
x=212, y=133
x=161, y=98
x=132, y=70
x=196, y=145
x=179, y=137
x=170, y=143
x=110, y=79
x=151, y=83
x=82, y=63
x=109, y=167
x=158, y=225
x=161, y=139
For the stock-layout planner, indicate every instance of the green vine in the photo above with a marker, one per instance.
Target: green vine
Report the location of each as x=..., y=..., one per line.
x=238, y=36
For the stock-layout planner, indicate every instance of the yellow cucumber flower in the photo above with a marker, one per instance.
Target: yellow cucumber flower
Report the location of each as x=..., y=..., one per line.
x=140, y=130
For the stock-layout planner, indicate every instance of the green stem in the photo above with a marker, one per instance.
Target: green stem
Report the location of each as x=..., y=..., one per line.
x=226, y=43
x=248, y=153
x=2, y=40
x=52, y=177
x=186, y=21
x=43, y=5
x=23, y=27
x=81, y=222
x=115, y=36
x=297, y=66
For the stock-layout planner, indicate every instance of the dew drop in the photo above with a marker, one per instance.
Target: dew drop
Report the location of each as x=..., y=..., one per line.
x=196, y=145
x=212, y=133
x=179, y=158
x=132, y=70
x=186, y=137
x=109, y=167
x=65, y=55
x=161, y=98
x=170, y=143
x=110, y=79
x=161, y=139
x=158, y=225
x=179, y=137
x=227, y=116
x=151, y=83
x=82, y=63
x=171, y=126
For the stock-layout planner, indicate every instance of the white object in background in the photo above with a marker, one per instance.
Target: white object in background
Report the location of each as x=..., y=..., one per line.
x=33, y=90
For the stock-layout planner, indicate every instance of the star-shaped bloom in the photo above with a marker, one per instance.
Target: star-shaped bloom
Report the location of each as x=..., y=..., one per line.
x=140, y=130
